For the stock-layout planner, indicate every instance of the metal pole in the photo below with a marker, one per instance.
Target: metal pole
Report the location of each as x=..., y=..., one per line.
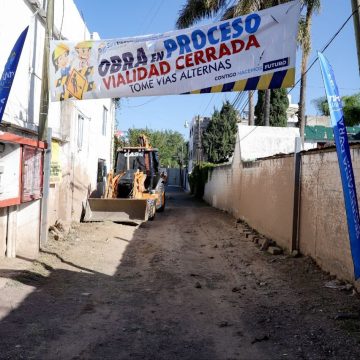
x=355, y=4
x=44, y=99
x=45, y=195
x=267, y=107
x=199, y=141
x=296, y=209
x=251, y=108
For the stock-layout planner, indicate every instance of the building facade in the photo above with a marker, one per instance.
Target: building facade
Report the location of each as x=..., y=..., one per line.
x=79, y=146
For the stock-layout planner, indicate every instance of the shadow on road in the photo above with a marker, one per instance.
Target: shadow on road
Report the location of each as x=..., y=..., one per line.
x=173, y=297
x=86, y=314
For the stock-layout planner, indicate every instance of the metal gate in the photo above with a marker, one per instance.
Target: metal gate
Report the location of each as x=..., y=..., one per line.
x=174, y=176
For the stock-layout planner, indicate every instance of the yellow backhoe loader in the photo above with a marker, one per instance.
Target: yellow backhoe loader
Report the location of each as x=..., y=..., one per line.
x=135, y=189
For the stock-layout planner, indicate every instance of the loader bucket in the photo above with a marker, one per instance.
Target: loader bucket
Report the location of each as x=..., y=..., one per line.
x=122, y=210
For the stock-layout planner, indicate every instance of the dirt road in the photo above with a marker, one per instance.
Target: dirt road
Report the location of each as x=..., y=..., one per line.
x=188, y=285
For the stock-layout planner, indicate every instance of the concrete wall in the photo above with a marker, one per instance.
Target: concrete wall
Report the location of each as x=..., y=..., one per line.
x=3, y=231
x=317, y=120
x=28, y=229
x=261, y=141
x=261, y=193
x=79, y=164
x=253, y=190
x=266, y=195
x=323, y=230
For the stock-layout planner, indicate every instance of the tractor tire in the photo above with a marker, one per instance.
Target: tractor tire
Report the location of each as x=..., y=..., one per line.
x=152, y=211
x=162, y=208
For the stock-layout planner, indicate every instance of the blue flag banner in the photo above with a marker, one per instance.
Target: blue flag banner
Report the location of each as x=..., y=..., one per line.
x=8, y=74
x=344, y=158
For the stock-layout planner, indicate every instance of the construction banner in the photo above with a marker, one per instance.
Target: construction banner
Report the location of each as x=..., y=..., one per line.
x=255, y=51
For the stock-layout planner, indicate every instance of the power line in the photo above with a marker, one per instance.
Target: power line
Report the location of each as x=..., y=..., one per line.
x=239, y=100
x=210, y=101
x=326, y=46
x=145, y=103
x=155, y=14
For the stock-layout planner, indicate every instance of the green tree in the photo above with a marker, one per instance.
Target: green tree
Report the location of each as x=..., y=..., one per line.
x=220, y=136
x=259, y=109
x=195, y=10
x=118, y=143
x=169, y=142
x=351, y=108
x=322, y=105
x=279, y=103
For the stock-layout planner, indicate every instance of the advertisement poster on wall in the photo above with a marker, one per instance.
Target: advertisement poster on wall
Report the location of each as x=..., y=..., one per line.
x=55, y=166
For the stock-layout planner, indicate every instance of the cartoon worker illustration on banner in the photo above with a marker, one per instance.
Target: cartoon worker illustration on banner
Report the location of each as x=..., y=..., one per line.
x=73, y=70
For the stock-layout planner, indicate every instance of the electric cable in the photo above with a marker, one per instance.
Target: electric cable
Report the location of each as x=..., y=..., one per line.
x=148, y=24
x=145, y=103
x=326, y=46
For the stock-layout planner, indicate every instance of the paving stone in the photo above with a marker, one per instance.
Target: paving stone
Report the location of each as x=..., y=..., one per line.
x=274, y=250
x=264, y=244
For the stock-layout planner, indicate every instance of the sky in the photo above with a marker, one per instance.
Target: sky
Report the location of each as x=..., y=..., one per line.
x=122, y=18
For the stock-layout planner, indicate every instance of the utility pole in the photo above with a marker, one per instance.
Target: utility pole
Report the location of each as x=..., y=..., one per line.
x=355, y=4
x=199, y=142
x=44, y=133
x=251, y=108
x=267, y=107
x=44, y=97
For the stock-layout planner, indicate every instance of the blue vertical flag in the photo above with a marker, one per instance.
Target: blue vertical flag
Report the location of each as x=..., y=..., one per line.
x=8, y=74
x=343, y=152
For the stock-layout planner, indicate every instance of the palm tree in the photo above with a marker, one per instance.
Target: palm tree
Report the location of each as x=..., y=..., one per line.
x=304, y=39
x=195, y=10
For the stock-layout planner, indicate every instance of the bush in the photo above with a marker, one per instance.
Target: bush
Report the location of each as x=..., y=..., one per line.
x=198, y=178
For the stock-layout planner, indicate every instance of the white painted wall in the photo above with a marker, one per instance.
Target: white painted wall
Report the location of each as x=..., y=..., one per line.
x=28, y=229
x=3, y=229
x=24, y=99
x=9, y=179
x=262, y=141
